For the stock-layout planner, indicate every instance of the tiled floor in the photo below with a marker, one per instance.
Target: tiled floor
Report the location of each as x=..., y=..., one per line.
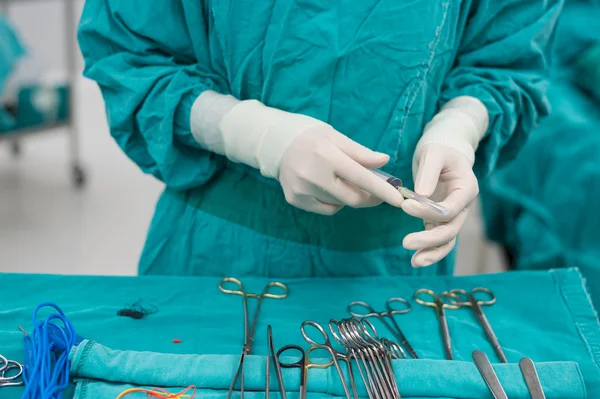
x=48, y=227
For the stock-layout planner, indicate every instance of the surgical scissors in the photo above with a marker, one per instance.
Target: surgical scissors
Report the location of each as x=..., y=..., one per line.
x=304, y=364
x=440, y=309
x=249, y=329
x=390, y=312
x=475, y=301
x=13, y=380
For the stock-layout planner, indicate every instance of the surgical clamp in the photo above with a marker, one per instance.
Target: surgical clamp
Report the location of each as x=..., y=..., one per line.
x=249, y=330
x=474, y=301
x=389, y=312
x=440, y=309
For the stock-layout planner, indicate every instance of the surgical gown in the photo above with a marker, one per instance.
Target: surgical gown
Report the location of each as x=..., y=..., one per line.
x=543, y=208
x=376, y=70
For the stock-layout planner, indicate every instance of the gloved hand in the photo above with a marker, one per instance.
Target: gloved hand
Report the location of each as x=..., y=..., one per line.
x=320, y=169
x=443, y=169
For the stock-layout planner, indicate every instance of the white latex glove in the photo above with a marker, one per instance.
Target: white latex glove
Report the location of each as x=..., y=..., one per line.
x=320, y=169
x=443, y=168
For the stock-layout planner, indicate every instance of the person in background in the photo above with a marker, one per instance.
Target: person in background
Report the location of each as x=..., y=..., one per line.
x=264, y=118
x=543, y=207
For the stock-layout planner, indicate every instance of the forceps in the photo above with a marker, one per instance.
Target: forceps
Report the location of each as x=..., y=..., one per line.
x=6, y=366
x=304, y=364
x=276, y=364
x=531, y=378
x=390, y=312
x=267, y=292
x=489, y=375
x=440, y=309
x=475, y=301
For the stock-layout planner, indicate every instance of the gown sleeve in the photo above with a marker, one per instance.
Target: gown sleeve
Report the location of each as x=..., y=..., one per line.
x=503, y=60
x=151, y=60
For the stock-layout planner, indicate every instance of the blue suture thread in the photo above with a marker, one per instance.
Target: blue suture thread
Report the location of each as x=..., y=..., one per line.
x=46, y=371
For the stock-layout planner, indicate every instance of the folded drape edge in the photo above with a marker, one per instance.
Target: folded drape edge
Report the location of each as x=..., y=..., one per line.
x=579, y=303
x=80, y=354
x=82, y=390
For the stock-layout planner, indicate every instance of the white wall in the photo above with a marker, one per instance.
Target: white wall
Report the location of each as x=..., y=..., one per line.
x=41, y=25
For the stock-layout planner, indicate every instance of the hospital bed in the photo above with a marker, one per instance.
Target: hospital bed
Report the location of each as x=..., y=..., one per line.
x=29, y=122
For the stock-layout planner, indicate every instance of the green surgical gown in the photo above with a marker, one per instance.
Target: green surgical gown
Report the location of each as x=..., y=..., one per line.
x=543, y=207
x=376, y=70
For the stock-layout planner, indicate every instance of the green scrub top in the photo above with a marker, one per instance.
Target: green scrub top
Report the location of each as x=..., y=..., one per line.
x=375, y=70
x=553, y=324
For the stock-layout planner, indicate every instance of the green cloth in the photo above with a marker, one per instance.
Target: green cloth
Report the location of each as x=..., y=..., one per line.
x=589, y=71
x=11, y=50
x=575, y=32
x=554, y=324
x=543, y=207
x=95, y=365
x=7, y=121
x=28, y=114
x=375, y=70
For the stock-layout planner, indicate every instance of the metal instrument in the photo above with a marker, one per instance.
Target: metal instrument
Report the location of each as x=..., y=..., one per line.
x=373, y=356
x=476, y=302
x=531, y=378
x=335, y=355
x=440, y=309
x=268, y=378
x=275, y=361
x=304, y=364
x=409, y=194
x=489, y=375
x=10, y=373
x=394, y=328
x=249, y=329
